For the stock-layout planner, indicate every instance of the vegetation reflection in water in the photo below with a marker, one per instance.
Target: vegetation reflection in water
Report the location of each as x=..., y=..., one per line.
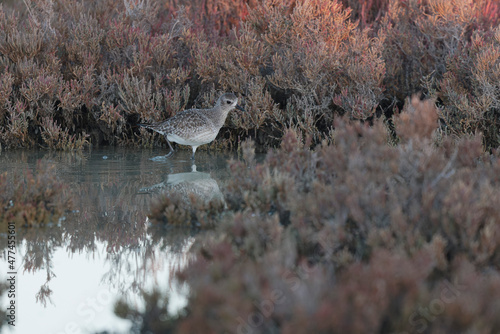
x=73, y=271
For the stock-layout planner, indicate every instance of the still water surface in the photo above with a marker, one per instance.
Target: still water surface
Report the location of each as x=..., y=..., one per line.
x=71, y=274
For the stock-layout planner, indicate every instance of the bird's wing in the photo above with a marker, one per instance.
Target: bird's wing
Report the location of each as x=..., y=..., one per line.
x=181, y=123
x=187, y=121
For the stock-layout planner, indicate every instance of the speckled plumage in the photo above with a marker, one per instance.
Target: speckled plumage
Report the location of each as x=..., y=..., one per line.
x=195, y=127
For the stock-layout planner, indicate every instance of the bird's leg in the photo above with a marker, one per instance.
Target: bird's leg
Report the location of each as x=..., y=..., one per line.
x=171, y=148
x=194, y=150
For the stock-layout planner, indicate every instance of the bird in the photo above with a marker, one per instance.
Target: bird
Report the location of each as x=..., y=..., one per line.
x=195, y=127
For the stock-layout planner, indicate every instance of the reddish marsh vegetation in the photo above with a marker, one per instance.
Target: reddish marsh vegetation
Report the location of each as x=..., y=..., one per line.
x=358, y=235
x=346, y=227
x=78, y=73
x=32, y=198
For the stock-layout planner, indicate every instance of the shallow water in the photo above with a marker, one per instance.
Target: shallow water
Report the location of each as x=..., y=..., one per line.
x=70, y=275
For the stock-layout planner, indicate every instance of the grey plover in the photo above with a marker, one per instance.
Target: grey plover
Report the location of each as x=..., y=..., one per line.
x=195, y=127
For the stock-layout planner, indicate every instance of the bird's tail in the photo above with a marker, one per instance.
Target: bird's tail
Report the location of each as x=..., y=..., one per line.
x=153, y=127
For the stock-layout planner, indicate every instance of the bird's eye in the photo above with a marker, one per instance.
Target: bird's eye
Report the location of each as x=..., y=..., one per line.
x=228, y=102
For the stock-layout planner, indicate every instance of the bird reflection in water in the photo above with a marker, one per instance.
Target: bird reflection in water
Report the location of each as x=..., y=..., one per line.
x=186, y=185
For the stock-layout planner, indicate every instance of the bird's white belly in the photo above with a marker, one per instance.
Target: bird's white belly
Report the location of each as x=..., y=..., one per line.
x=195, y=140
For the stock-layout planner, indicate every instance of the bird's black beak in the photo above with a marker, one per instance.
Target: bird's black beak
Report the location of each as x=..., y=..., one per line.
x=239, y=107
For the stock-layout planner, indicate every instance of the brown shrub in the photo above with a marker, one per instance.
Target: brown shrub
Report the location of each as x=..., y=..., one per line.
x=475, y=72
x=412, y=212
x=451, y=56
x=368, y=12
x=32, y=199
x=295, y=64
x=56, y=138
x=358, y=235
x=419, y=119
